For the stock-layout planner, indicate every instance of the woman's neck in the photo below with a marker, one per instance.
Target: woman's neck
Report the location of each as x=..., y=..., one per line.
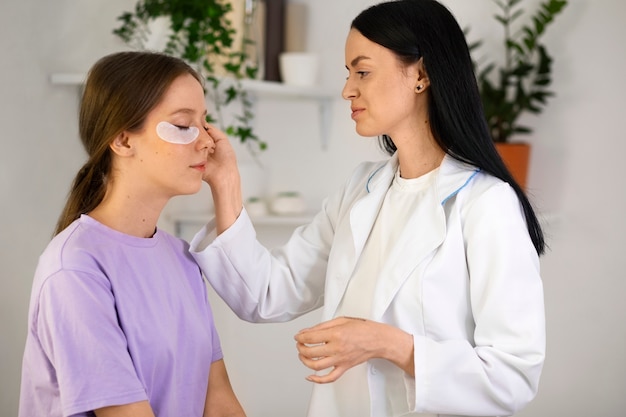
x=129, y=213
x=418, y=156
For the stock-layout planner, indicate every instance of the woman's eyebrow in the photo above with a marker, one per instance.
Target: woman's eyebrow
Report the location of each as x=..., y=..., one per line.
x=358, y=59
x=188, y=111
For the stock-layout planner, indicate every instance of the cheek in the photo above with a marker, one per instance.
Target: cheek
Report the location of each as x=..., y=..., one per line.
x=399, y=102
x=383, y=97
x=164, y=155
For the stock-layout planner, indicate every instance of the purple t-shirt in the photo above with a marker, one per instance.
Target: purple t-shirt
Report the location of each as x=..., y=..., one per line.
x=116, y=319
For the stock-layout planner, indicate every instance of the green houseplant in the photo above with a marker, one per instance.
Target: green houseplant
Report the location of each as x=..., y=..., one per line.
x=201, y=32
x=520, y=81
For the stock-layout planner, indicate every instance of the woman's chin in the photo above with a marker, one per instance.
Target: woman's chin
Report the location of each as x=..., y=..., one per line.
x=191, y=190
x=368, y=134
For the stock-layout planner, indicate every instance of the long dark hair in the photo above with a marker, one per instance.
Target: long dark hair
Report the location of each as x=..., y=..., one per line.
x=121, y=89
x=425, y=29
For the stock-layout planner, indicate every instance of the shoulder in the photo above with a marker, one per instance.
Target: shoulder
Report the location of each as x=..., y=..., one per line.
x=364, y=178
x=82, y=246
x=487, y=187
x=461, y=181
x=371, y=174
x=69, y=253
x=66, y=270
x=485, y=199
x=65, y=246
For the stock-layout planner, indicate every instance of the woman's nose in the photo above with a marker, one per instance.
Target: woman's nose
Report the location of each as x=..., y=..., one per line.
x=205, y=140
x=348, y=92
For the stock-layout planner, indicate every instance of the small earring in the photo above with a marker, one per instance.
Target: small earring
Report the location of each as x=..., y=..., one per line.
x=419, y=87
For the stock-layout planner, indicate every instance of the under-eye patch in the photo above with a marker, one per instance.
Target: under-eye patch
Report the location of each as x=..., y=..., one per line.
x=175, y=134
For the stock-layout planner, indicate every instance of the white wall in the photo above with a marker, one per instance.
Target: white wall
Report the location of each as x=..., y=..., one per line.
x=40, y=152
x=578, y=145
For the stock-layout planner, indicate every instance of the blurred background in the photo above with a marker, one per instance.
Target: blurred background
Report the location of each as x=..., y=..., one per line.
x=574, y=181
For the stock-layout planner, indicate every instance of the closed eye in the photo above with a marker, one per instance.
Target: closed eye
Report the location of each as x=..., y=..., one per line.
x=182, y=127
x=361, y=74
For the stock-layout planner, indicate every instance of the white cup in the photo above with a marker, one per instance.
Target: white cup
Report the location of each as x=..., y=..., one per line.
x=298, y=68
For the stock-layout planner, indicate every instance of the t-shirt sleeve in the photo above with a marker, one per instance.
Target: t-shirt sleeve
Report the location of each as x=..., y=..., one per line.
x=217, y=348
x=79, y=331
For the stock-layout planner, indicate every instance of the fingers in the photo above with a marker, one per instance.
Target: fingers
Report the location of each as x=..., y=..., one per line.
x=219, y=140
x=314, y=351
x=222, y=160
x=318, y=357
x=319, y=363
x=312, y=336
x=317, y=351
x=329, y=324
x=337, y=344
x=325, y=331
x=216, y=134
x=332, y=376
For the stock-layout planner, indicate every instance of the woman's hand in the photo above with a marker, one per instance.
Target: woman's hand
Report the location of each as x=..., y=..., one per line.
x=222, y=161
x=222, y=175
x=345, y=342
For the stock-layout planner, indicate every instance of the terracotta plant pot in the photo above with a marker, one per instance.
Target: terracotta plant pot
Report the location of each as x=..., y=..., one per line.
x=516, y=157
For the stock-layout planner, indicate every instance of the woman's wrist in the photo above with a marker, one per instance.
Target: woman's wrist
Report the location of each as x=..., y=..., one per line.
x=227, y=200
x=398, y=348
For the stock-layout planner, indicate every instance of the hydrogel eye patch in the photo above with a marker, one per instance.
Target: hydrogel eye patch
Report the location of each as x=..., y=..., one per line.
x=178, y=135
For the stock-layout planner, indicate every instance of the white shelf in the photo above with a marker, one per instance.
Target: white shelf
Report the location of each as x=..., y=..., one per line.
x=259, y=87
x=181, y=219
x=269, y=220
x=276, y=90
x=293, y=220
x=280, y=90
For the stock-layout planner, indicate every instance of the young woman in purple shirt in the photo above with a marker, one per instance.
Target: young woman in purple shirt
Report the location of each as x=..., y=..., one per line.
x=119, y=321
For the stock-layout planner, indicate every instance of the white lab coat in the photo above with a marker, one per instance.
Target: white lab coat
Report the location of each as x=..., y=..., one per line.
x=463, y=279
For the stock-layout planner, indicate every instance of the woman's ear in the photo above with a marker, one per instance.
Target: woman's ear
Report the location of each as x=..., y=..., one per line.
x=422, y=82
x=121, y=145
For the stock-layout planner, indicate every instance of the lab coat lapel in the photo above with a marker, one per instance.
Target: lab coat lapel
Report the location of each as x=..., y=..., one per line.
x=424, y=232
x=361, y=217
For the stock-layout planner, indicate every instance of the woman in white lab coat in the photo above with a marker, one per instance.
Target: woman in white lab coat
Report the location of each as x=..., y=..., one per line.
x=426, y=264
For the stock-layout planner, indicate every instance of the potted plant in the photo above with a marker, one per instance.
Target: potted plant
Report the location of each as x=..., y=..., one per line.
x=521, y=82
x=201, y=32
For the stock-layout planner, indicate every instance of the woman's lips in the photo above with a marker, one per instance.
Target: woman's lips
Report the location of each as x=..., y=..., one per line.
x=200, y=167
x=356, y=112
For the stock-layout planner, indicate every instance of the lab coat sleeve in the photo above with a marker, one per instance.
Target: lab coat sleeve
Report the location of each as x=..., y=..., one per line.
x=260, y=285
x=497, y=374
